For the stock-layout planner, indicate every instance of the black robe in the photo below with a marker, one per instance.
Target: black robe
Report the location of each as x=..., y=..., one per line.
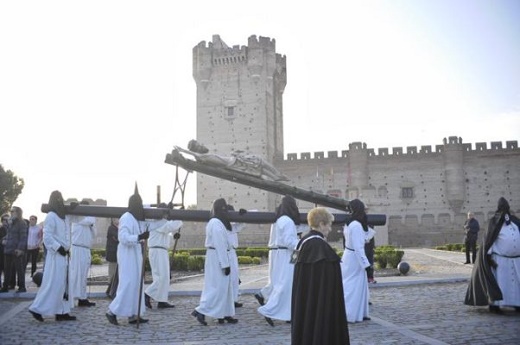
x=318, y=307
x=483, y=288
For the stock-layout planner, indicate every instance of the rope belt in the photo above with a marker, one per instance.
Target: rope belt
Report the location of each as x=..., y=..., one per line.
x=352, y=250
x=214, y=248
x=79, y=245
x=158, y=247
x=509, y=257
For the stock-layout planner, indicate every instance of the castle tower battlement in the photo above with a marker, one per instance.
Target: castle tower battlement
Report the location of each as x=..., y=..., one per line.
x=425, y=150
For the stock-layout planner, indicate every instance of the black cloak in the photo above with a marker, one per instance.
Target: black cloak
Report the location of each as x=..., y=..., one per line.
x=483, y=288
x=318, y=306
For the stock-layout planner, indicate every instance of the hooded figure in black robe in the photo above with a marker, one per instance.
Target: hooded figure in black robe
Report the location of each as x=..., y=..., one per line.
x=483, y=288
x=318, y=307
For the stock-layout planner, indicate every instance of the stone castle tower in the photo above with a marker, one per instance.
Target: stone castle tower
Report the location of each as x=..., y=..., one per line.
x=239, y=107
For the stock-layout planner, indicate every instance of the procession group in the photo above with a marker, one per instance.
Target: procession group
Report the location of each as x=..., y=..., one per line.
x=309, y=285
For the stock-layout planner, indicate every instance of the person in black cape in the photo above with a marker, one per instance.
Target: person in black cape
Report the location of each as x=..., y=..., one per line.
x=318, y=309
x=483, y=288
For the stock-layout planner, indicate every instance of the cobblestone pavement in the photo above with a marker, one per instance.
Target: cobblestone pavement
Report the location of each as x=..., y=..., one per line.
x=423, y=313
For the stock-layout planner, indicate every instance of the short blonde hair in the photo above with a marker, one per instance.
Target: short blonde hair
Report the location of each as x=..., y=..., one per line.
x=319, y=215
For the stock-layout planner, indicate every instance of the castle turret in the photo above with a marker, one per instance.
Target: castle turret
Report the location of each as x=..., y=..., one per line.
x=357, y=168
x=454, y=170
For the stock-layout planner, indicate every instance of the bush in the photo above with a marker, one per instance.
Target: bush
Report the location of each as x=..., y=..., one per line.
x=245, y=260
x=381, y=260
x=180, y=261
x=387, y=255
x=96, y=259
x=196, y=262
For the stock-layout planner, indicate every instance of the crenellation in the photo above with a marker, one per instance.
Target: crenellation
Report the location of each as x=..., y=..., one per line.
x=480, y=146
x=262, y=42
x=383, y=151
x=411, y=150
x=332, y=154
x=426, y=149
x=397, y=151
x=371, y=152
x=466, y=147
x=319, y=155
x=496, y=145
x=439, y=148
x=306, y=156
x=511, y=145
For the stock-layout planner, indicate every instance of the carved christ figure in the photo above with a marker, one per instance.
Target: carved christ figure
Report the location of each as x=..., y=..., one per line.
x=239, y=161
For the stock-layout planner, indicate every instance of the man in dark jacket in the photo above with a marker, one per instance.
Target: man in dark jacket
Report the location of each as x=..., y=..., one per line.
x=15, y=246
x=472, y=228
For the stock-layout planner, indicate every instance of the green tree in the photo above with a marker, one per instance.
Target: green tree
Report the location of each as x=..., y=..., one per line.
x=10, y=187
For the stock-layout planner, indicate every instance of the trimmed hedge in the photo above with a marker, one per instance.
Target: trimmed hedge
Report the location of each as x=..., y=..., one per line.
x=387, y=256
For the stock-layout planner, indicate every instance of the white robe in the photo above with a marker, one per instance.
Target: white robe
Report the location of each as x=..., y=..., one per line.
x=278, y=305
x=506, y=253
x=83, y=231
x=158, y=245
x=130, y=263
x=233, y=258
x=217, y=295
x=271, y=257
x=353, y=265
x=49, y=299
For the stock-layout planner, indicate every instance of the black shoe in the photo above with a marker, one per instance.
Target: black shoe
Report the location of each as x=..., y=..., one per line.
x=467, y=262
x=200, y=317
x=269, y=321
x=495, y=309
x=85, y=303
x=22, y=290
x=36, y=315
x=259, y=298
x=162, y=305
x=111, y=318
x=134, y=320
x=4, y=290
x=147, y=301
x=229, y=319
x=65, y=317
x=238, y=305
x=366, y=318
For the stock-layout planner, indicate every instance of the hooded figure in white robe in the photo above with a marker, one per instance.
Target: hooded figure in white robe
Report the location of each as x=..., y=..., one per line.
x=285, y=238
x=132, y=229
x=354, y=264
x=495, y=279
x=83, y=232
x=51, y=298
x=216, y=299
x=158, y=245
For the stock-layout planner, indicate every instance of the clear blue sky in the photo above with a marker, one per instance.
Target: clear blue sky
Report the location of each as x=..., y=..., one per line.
x=94, y=94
